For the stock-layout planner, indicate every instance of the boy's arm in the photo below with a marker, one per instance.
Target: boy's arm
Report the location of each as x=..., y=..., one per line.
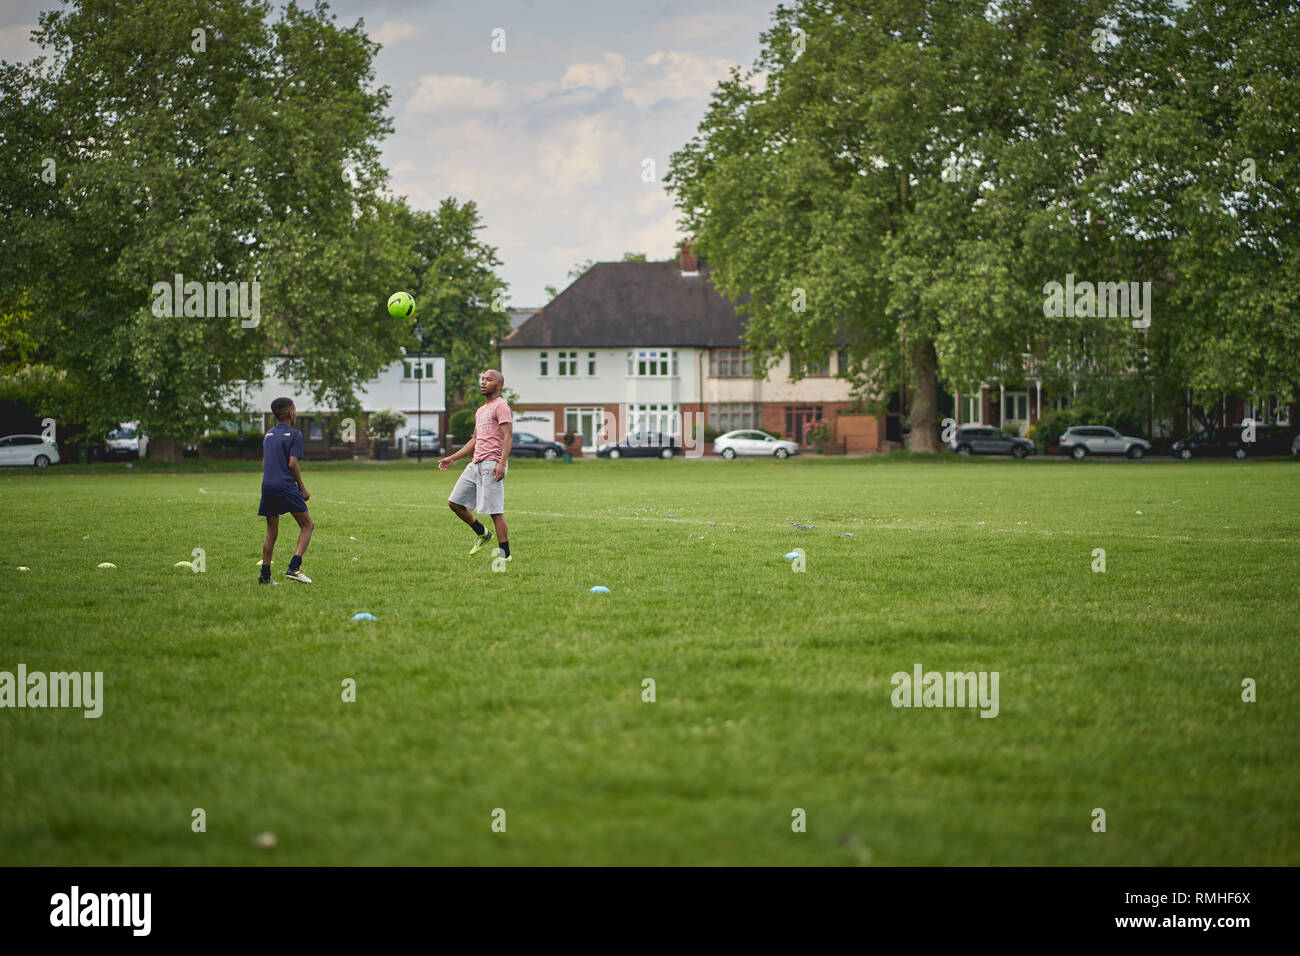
x=297, y=476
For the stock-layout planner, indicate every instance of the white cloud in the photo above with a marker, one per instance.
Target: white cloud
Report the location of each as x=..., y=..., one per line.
x=435, y=92
x=392, y=32
x=610, y=71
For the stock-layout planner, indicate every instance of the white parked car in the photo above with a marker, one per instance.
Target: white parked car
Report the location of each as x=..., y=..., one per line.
x=125, y=441
x=753, y=442
x=28, y=450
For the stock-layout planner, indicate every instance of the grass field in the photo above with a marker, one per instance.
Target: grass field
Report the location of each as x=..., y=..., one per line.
x=523, y=691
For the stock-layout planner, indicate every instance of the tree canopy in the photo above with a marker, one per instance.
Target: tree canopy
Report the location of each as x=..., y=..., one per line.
x=165, y=138
x=904, y=178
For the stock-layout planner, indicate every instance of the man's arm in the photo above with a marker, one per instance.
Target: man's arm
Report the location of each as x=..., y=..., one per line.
x=507, y=432
x=466, y=449
x=297, y=476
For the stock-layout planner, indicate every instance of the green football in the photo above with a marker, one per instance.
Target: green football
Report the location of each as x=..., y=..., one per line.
x=401, y=305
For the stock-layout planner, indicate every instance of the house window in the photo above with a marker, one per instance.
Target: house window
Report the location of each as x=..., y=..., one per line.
x=729, y=363
x=818, y=367
x=591, y=364
x=1015, y=407
x=652, y=363
x=544, y=365
x=729, y=418
x=412, y=369
x=567, y=364
x=653, y=418
x=842, y=361
x=972, y=410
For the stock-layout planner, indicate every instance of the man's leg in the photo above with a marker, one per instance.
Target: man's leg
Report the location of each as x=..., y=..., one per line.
x=465, y=515
x=268, y=546
x=465, y=492
x=499, y=522
x=305, y=527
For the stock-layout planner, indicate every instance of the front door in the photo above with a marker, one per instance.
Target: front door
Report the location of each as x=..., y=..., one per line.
x=797, y=418
x=1015, y=411
x=586, y=422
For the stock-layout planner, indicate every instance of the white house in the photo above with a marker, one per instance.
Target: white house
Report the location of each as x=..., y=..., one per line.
x=414, y=385
x=651, y=342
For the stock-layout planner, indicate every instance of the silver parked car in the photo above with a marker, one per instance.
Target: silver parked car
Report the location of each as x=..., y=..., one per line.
x=1080, y=441
x=751, y=441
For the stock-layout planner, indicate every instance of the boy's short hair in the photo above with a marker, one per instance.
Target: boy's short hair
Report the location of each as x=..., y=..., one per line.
x=280, y=405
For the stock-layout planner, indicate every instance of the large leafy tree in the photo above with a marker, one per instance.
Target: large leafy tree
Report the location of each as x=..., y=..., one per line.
x=1207, y=168
x=244, y=152
x=902, y=184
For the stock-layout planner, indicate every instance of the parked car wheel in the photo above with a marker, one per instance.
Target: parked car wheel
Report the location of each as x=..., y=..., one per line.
x=665, y=453
x=1135, y=451
x=781, y=453
x=615, y=453
x=1239, y=454
x=550, y=453
x=728, y=453
x=1185, y=454
x=1078, y=453
x=41, y=461
x=963, y=449
x=1018, y=452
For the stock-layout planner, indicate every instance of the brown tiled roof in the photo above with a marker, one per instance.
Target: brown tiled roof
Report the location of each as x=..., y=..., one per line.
x=625, y=304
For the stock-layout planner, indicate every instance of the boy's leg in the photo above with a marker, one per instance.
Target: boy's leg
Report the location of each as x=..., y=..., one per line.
x=268, y=546
x=305, y=528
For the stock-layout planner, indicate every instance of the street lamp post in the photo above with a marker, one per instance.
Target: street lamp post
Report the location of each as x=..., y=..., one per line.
x=419, y=390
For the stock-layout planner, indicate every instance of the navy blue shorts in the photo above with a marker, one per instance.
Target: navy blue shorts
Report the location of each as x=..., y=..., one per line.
x=278, y=502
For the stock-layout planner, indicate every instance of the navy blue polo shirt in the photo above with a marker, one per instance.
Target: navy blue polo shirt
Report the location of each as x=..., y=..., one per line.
x=280, y=442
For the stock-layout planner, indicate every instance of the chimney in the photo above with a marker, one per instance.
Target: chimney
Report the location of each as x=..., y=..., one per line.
x=690, y=261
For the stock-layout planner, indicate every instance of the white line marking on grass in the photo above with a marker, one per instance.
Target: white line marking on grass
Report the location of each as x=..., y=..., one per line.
x=881, y=526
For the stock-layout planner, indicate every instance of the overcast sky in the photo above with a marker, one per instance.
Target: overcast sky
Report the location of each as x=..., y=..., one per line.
x=548, y=137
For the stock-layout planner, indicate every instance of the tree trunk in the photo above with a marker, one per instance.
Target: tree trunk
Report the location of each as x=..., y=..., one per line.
x=924, y=415
x=164, y=449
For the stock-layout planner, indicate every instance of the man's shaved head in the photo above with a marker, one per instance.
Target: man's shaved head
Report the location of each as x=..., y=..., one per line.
x=491, y=382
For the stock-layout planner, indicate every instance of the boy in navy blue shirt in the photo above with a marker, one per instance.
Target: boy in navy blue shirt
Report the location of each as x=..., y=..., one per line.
x=282, y=488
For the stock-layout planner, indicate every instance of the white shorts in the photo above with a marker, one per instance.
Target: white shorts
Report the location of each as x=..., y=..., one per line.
x=477, y=489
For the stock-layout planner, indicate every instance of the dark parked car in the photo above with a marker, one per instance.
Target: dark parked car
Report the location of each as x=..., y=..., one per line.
x=1212, y=443
x=642, y=445
x=522, y=444
x=1219, y=442
x=1272, y=440
x=984, y=440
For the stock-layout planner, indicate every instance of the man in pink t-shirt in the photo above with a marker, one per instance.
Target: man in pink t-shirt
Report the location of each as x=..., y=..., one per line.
x=482, y=486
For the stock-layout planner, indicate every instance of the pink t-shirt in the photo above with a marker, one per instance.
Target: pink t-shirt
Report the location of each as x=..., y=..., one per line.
x=488, y=442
